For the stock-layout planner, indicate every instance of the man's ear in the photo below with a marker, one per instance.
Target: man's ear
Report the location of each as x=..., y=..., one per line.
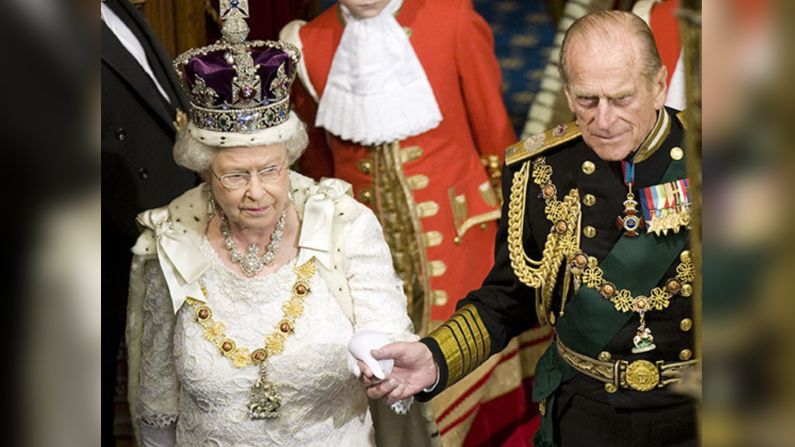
x=660, y=88
x=569, y=99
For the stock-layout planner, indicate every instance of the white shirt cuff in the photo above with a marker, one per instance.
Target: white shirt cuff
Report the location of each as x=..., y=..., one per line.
x=435, y=384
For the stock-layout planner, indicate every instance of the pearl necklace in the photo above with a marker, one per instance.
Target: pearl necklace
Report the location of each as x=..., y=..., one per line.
x=252, y=263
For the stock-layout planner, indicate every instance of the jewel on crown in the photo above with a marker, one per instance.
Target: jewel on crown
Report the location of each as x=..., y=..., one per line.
x=235, y=85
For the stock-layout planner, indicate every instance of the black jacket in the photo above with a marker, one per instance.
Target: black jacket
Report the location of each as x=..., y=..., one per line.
x=505, y=305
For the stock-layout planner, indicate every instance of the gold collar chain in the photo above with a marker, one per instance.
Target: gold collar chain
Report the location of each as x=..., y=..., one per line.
x=586, y=271
x=265, y=398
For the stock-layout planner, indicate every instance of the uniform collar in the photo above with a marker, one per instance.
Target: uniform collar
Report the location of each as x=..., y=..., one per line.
x=655, y=139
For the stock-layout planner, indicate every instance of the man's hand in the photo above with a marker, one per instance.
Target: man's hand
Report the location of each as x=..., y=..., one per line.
x=414, y=370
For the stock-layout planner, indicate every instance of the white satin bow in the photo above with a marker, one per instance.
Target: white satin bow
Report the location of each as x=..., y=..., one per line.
x=180, y=258
x=316, y=229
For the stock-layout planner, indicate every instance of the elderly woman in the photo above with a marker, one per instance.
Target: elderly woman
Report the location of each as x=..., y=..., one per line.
x=246, y=290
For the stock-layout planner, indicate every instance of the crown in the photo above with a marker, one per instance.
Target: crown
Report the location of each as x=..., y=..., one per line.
x=234, y=85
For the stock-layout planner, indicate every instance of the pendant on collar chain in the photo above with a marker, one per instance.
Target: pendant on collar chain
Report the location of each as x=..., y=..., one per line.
x=264, y=398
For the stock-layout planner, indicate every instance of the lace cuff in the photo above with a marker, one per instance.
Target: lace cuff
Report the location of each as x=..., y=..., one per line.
x=158, y=420
x=402, y=407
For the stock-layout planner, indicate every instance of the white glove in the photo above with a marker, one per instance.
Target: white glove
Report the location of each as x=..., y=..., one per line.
x=158, y=437
x=359, y=348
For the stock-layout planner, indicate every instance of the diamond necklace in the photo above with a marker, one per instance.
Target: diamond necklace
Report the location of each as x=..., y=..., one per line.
x=252, y=262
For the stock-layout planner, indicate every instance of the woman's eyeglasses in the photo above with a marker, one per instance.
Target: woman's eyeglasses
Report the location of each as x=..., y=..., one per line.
x=237, y=180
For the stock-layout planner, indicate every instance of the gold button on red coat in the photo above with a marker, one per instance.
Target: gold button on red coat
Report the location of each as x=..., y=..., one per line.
x=365, y=166
x=365, y=196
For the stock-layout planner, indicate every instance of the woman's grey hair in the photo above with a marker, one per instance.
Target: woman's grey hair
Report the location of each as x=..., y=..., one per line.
x=197, y=156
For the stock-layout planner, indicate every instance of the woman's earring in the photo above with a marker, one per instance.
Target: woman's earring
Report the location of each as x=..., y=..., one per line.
x=289, y=191
x=211, y=206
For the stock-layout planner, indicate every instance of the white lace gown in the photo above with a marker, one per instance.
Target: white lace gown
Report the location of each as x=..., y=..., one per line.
x=187, y=382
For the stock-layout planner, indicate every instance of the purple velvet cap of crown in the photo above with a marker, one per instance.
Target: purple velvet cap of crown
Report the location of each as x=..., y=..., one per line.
x=217, y=73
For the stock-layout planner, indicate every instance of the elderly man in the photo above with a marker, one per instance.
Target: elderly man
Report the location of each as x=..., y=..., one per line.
x=593, y=241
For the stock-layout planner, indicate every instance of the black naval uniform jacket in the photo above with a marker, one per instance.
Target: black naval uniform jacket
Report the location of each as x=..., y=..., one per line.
x=504, y=306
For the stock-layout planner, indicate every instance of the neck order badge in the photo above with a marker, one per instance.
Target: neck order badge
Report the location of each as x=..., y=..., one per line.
x=630, y=221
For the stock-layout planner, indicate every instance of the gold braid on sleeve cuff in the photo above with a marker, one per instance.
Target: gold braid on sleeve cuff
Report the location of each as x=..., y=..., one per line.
x=464, y=342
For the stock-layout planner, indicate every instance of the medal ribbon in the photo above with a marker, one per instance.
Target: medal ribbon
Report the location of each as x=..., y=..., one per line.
x=628, y=169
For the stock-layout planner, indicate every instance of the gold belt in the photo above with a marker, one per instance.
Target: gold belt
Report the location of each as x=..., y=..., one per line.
x=638, y=375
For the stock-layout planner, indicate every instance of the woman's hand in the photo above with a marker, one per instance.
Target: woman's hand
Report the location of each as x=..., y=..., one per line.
x=367, y=377
x=360, y=358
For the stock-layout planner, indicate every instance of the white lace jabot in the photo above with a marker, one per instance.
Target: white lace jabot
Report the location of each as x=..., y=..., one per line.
x=377, y=90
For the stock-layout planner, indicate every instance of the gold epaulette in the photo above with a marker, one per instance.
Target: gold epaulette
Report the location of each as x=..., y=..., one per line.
x=532, y=146
x=681, y=117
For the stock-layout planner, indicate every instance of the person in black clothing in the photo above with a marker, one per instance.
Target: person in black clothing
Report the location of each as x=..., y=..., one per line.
x=593, y=240
x=140, y=97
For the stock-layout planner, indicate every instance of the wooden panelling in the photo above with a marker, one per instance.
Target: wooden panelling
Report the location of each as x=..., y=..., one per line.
x=190, y=24
x=160, y=15
x=179, y=24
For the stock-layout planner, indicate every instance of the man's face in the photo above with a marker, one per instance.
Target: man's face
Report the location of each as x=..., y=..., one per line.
x=616, y=106
x=365, y=9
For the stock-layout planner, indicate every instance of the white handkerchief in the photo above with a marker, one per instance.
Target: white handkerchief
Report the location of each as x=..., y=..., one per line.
x=360, y=346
